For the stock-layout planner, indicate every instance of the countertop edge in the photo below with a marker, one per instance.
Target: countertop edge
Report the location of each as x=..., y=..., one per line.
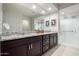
x=25, y=36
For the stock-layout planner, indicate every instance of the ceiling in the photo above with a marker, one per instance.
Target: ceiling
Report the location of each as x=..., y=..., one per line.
x=71, y=11
x=63, y=5
x=39, y=9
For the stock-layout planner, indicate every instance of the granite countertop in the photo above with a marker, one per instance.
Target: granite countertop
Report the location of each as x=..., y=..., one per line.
x=17, y=36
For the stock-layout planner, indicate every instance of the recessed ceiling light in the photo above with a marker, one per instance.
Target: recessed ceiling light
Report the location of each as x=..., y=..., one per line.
x=43, y=12
x=34, y=6
x=49, y=8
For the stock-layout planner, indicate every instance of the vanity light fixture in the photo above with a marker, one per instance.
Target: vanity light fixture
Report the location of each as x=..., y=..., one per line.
x=34, y=6
x=49, y=8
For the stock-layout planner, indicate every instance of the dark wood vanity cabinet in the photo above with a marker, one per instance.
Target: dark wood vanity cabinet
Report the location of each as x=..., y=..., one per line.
x=29, y=46
x=22, y=47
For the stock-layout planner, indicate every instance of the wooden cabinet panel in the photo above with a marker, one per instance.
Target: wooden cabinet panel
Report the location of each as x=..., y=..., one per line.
x=35, y=48
x=51, y=40
x=16, y=51
x=14, y=47
x=19, y=51
x=13, y=43
x=45, y=48
x=55, y=39
x=45, y=43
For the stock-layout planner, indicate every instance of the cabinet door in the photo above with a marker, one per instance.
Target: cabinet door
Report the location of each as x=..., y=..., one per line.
x=45, y=43
x=35, y=48
x=51, y=40
x=17, y=51
x=55, y=39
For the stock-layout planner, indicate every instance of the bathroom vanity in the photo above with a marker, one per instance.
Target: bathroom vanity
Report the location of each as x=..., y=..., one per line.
x=27, y=33
x=32, y=45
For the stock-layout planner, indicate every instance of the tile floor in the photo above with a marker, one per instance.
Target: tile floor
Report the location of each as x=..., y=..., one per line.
x=62, y=51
